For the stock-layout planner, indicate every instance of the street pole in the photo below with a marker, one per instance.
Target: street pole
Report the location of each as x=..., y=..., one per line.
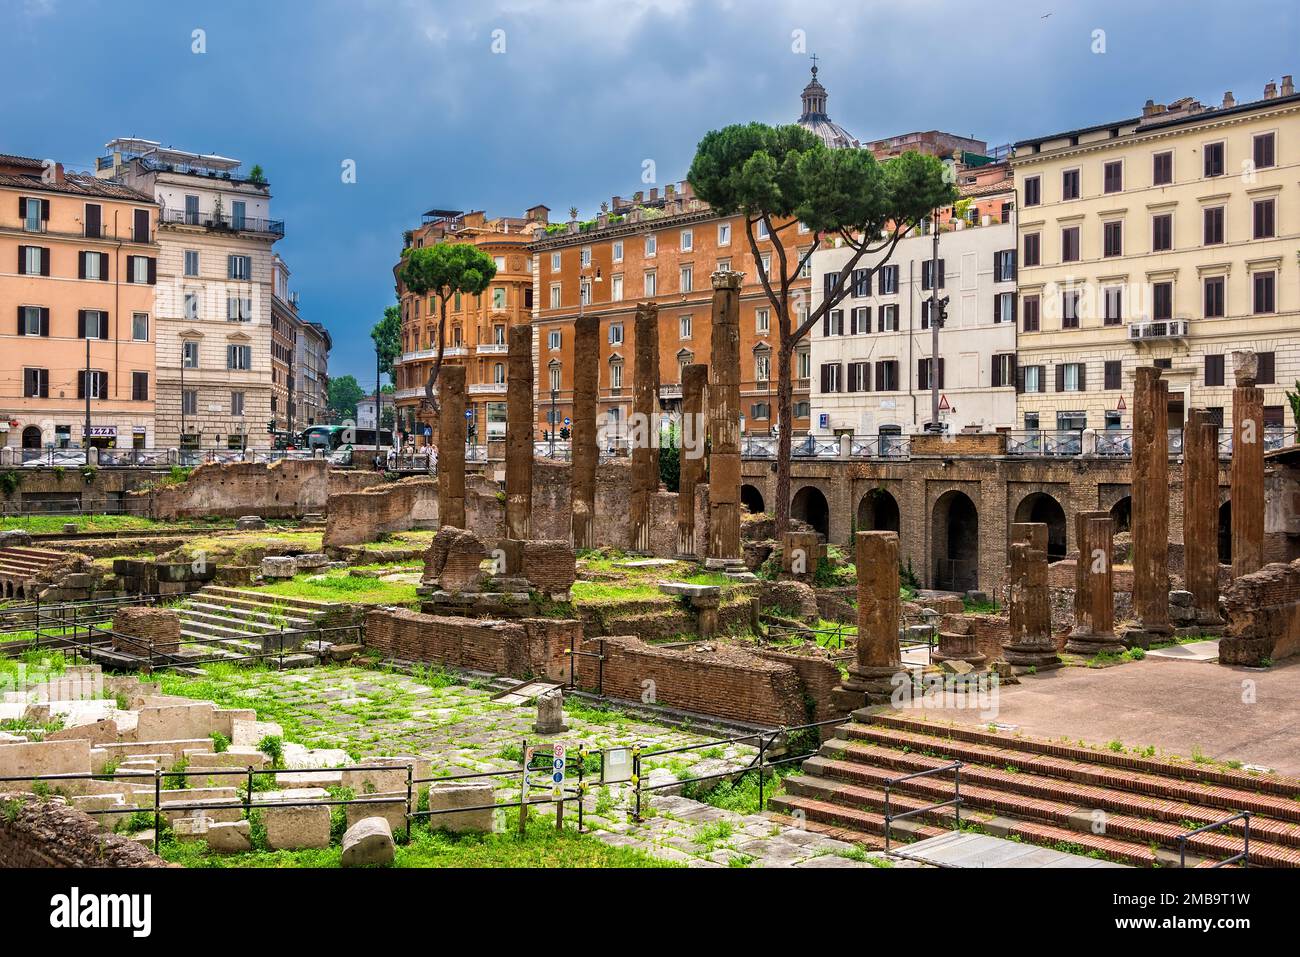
x=553, y=422
x=180, y=441
x=934, y=327
x=85, y=437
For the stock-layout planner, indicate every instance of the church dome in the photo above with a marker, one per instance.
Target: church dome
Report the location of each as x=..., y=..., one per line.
x=815, y=120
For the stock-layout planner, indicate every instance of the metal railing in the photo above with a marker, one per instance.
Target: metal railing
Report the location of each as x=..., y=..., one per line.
x=224, y=221
x=1243, y=856
x=955, y=802
x=1034, y=442
x=38, y=616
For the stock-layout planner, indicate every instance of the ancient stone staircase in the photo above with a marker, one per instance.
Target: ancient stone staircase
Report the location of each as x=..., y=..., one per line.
x=19, y=565
x=1088, y=800
x=233, y=623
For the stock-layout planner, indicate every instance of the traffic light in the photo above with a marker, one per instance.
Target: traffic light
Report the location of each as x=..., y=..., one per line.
x=943, y=311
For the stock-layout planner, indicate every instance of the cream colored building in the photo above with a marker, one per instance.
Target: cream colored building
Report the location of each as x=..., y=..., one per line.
x=213, y=296
x=1169, y=238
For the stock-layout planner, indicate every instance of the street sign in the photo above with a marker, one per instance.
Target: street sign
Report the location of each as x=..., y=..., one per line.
x=943, y=404
x=566, y=421
x=469, y=413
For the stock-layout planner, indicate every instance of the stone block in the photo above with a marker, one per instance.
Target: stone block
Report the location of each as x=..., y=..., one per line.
x=311, y=561
x=296, y=828
x=229, y=837
x=250, y=523
x=392, y=810
x=368, y=843
x=450, y=797
x=143, y=629
x=278, y=567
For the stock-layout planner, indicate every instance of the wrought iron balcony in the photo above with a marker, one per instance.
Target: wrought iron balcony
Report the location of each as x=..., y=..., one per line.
x=224, y=222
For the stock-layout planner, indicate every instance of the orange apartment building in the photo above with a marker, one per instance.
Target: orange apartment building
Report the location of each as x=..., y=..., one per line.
x=661, y=249
x=78, y=269
x=476, y=332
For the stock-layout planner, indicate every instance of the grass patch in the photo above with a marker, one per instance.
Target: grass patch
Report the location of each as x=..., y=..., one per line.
x=345, y=588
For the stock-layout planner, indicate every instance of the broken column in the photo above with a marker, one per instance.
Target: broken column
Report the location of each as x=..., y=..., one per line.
x=451, y=446
x=645, y=432
x=1201, y=514
x=586, y=369
x=1150, y=494
x=724, y=424
x=878, y=658
x=1029, y=642
x=519, y=433
x=690, y=455
x=1094, y=587
x=1247, y=466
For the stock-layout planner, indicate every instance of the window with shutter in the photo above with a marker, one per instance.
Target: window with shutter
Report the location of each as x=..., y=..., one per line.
x=1112, y=374
x=1266, y=374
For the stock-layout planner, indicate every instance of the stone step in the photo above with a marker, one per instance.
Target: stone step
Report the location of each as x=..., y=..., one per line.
x=238, y=624
x=1275, y=784
x=248, y=654
x=865, y=762
x=1069, y=814
x=226, y=594
x=210, y=611
x=1077, y=768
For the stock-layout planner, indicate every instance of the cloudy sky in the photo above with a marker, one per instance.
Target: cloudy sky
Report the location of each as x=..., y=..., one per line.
x=501, y=104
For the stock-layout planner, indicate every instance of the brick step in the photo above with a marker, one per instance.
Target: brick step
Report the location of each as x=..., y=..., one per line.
x=871, y=758
x=17, y=566
x=1004, y=751
x=1276, y=784
x=241, y=597
x=850, y=820
x=33, y=554
x=1067, y=813
x=874, y=842
x=815, y=795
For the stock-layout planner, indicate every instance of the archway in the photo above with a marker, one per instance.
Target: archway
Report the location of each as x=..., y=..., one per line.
x=809, y=505
x=1039, y=507
x=954, y=542
x=1225, y=533
x=878, y=512
x=32, y=437
x=752, y=499
x=1121, y=515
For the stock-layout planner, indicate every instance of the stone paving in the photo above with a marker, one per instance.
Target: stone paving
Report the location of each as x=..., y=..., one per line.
x=460, y=728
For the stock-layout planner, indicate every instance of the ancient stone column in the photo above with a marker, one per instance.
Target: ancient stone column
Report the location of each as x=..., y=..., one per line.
x=724, y=424
x=1094, y=587
x=1247, y=471
x=645, y=430
x=1030, y=641
x=690, y=457
x=584, y=454
x=1150, y=493
x=519, y=434
x=1201, y=514
x=878, y=657
x=451, y=446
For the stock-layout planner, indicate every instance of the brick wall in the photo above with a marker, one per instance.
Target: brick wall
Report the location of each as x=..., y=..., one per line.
x=819, y=676
x=366, y=516
x=284, y=489
x=36, y=833
x=724, y=682
x=495, y=646
x=1263, y=616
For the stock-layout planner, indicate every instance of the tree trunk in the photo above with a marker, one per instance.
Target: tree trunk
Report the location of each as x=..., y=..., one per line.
x=785, y=426
x=429, y=397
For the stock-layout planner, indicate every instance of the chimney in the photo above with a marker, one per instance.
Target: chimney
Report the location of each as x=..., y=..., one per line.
x=58, y=173
x=1288, y=85
x=1149, y=108
x=654, y=193
x=1270, y=91
x=1228, y=101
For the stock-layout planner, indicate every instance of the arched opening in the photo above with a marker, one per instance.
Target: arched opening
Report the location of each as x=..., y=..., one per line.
x=1121, y=515
x=809, y=505
x=955, y=542
x=752, y=499
x=1225, y=533
x=32, y=437
x=1043, y=509
x=878, y=512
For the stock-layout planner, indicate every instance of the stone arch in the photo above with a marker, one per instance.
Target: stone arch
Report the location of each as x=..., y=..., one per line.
x=1121, y=514
x=878, y=512
x=1043, y=508
x=32, y=437
x=1225, y=533
x=809, y=505
x=752, y=499
x=954, y=542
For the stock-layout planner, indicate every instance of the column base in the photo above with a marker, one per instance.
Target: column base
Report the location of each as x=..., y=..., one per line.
x=1030, y=656
x=1089, y=644
x=733, y=565
x=1139, y=636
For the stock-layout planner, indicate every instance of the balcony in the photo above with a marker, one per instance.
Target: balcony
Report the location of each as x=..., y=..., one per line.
x=487, y=388
x=1158, y=329
x=451, y=352
x=492, y=349
x=223, y=223
x=670, y=391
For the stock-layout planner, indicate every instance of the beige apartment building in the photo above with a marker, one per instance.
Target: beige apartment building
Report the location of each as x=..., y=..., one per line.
x=1168, y=238
x=78, y=264
x=213, y=296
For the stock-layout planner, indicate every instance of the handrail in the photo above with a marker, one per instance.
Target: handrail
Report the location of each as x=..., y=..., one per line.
x=1244, y=856
x=955, y=803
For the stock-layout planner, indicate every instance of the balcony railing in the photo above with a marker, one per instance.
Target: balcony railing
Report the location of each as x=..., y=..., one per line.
x=1034, y=442
x=487, y=388
x=224, y=222
x=492, y=348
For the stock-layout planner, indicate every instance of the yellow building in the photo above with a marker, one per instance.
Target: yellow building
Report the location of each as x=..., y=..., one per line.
x=1170, y=239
